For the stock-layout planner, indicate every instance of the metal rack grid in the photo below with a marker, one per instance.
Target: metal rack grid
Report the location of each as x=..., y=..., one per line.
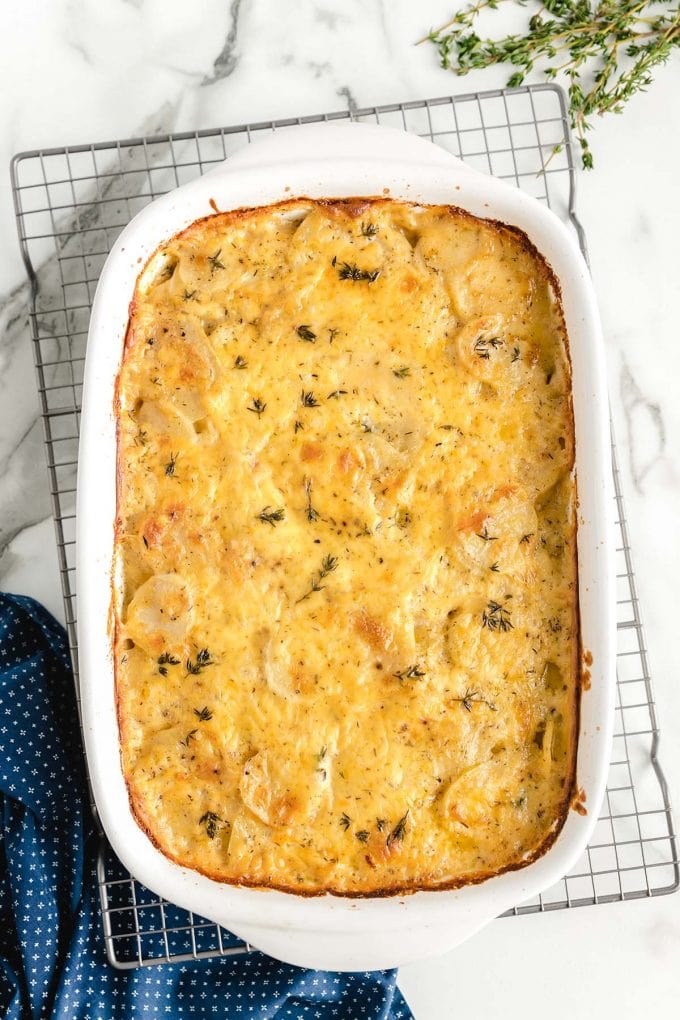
x=71, y=204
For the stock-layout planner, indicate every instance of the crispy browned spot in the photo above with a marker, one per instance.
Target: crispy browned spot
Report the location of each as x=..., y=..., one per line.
x=375, y=633
x=311, y=451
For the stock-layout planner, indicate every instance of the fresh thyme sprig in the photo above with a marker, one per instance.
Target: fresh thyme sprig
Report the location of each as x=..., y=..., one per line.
x=269, y=516
x=606, y=50
x=369, y=229
x=328, y=565
x=307, y=399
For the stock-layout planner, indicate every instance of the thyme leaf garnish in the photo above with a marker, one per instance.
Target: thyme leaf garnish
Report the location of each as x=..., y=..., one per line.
x=398, y=832
x=189, y=295
x=269, y=516
x=380, y=824
x=496, y=617
x=410, y=673
x=298, y=426
x=203, y=659
x=240, y=362
x=336, y=394
x=332, y=333
x=328, y=565
x=494, y=567
x=484, y=345
x=345, y=821
x=312, y=514
x=214, y=261
x=515, y=354
x=308, y=399
x=401, y=373
x=305, y=333
x=258, y=407
x=472, y=697
x=525, y=538
x=484, y=534
x=203, y=714
x=165, y=660
x=189, y=737
x=362, y=835
x=369, y=229
x=351, y=271
x=170, y=466
x=211, y=822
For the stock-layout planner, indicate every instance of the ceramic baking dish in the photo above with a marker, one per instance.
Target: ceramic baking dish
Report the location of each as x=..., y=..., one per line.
x=334, y=160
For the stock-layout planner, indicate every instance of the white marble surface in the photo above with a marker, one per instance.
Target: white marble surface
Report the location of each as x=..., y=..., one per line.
x=81, y=70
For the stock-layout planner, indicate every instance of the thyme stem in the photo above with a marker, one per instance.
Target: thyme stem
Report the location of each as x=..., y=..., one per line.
x=606, y=50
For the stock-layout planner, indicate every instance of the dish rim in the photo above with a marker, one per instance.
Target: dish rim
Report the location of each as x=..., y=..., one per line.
x=352, y=153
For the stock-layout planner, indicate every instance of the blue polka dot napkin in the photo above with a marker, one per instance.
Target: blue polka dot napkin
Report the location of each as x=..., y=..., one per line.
x=52, y=961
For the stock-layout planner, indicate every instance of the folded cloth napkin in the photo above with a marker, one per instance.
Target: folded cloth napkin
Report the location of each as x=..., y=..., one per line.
x=52, y=961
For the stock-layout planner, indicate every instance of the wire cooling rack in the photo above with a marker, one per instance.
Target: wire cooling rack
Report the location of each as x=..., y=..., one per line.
x=71, y=204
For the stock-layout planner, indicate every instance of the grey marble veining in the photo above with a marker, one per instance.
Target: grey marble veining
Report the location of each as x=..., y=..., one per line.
x=225, y=61
x=124, y=68
x=645, y=440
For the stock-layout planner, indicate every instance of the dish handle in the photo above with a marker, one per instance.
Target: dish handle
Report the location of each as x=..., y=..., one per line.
x=334, y=142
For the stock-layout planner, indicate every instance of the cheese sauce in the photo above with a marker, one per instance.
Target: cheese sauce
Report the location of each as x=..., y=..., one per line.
x=346, y=627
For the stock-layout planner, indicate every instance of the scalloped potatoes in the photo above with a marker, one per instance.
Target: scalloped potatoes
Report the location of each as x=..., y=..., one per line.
x=346, y=628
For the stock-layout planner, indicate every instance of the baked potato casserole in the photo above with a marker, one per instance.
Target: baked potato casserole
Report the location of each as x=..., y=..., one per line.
x=346, y=613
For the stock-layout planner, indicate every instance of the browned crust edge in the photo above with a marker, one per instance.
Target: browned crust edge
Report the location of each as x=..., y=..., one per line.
x=573, y=798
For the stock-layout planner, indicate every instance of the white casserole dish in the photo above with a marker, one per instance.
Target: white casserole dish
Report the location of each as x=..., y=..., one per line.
x=333, y=160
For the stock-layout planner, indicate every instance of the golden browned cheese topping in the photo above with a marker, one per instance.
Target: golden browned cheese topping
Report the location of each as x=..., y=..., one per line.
x=346, y=624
